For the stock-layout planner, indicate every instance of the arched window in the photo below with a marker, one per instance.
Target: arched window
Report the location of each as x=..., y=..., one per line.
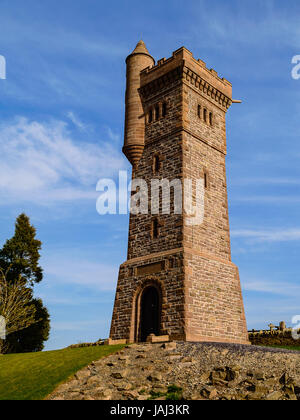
x=164, y=109
x=199, y=111
x=150, y=116
x=205, y=115
x=210, y=118
x=157, y=112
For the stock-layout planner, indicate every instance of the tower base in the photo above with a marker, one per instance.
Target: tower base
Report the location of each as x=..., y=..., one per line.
x=183, y=293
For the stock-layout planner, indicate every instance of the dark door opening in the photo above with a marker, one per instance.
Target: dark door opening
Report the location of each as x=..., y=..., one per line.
x=150, y=313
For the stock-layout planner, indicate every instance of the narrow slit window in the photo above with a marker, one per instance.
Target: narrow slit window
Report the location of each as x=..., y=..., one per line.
x=150, y=117
x=205, y=115
x=199, y=111
x=164, y=109
x=156, y=164
x=205, y=180
x=155, y=229
x=210, y=118
x=156, y=113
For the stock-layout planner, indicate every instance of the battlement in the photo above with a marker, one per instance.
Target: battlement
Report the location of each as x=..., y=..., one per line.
x=197, y=68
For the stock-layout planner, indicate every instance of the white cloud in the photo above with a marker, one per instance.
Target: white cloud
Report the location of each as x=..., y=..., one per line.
x=267, y=199
x=264, y=181
x=76, y=121
x=280, y=235
x=42, y=163
x=286, y=288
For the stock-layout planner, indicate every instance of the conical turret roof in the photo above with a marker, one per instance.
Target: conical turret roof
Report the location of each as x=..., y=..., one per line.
x=140, y=48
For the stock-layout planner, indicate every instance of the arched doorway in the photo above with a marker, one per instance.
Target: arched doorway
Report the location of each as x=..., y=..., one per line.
x=150, y=313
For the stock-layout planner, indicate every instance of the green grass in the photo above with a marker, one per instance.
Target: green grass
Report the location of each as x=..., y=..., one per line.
x=33, y=376
x=278, y=346
x=286, y=347
x=174, y=393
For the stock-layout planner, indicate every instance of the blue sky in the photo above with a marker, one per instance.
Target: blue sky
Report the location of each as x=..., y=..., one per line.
x=61, y=129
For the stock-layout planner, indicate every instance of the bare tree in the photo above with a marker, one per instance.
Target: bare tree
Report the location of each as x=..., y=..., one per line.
x=15, y=306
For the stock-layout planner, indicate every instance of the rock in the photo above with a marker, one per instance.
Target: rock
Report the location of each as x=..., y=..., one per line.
x=232, y=373
x=241, y=395
x=94, y=381
x=291, y=396
x=199, y=369
x=174, y=356
x=143, y=397
x=256, y=396
x=271, y=382
x=205, y=377
x=184, y=365
x=274, y=396
x=155, y=377
x=220, y=382
x=259, y=376
x=218, y=376
x=285, y=379
x=169, y=346
x=119, y=374
x=147, y=368
x=209, y=393
x=134, y=346
x=227, y=397
x=88, y=398
x=187, y=362
x=75, y=396
x=101, y=394
x=124, y=386
x=82, y=374
x=131, y=395
x=260, y=388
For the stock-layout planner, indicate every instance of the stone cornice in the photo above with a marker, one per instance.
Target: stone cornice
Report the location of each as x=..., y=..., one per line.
x=184, y=73
x=206, y=88
x=184, y=250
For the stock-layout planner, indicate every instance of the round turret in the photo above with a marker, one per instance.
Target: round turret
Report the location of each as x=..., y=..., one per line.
x=134, y=140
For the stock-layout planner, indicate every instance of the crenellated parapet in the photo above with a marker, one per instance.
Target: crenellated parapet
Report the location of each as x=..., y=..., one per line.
x=183, y=66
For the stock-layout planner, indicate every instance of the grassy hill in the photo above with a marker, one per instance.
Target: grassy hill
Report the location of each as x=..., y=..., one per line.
x=32, y=376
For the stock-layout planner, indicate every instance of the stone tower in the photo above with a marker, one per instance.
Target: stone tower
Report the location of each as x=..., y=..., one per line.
x=179, y=279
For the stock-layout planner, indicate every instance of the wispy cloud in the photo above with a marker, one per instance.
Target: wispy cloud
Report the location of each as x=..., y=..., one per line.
x=265, y=181
x=284, y=288
x=272, y=235
x=76, y=121
x=267, y=199
x=42, y=163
